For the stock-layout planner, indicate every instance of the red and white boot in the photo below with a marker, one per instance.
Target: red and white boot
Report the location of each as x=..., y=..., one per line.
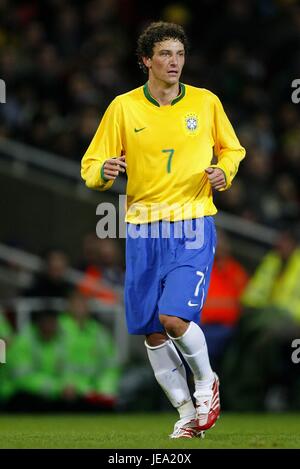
x=186, y=428
x=207, y=405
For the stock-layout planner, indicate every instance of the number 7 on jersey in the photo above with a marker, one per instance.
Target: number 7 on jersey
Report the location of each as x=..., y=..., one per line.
x=171, y=151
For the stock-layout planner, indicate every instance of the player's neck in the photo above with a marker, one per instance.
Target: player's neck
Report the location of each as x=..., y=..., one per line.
x=164, y=94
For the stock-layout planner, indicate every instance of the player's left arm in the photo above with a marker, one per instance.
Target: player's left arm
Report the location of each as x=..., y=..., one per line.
x=228, y=150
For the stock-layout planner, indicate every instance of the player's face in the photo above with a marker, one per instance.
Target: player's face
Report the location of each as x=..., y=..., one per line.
x=167, y=61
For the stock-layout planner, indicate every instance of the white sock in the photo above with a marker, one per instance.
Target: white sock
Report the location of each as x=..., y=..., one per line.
x=187, y=410
x=171, y=376
x=192, y=345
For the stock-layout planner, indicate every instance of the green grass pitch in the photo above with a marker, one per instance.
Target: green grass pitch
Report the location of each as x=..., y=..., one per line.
x=146, y=431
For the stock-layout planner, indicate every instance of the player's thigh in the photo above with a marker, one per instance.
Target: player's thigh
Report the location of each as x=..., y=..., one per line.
x=185, y=291
x=186, y=286
x=142, y=286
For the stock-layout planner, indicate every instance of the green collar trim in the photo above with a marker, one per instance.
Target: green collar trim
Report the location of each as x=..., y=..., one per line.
x=180, y=96
x=148, y=95
x=156, y=103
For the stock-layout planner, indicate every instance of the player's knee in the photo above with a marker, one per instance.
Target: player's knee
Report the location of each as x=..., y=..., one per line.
x=172, y=324
x=156, y=339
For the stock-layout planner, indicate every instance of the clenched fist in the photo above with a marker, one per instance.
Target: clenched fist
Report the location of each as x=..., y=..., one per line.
x=216, y=178
x=112, y=167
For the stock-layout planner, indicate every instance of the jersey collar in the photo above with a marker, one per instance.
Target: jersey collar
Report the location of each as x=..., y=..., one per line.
x=156, y=103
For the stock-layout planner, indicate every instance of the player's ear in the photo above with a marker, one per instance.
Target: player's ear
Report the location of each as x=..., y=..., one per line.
x=146, y=62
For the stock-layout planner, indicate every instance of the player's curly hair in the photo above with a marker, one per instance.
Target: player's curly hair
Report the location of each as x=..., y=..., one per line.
x=157, y=32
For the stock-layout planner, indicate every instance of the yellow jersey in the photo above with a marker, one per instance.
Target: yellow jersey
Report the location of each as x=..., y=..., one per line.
x=167, y=149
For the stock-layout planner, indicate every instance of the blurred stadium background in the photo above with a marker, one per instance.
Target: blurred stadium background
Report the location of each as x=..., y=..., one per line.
x=62, y=314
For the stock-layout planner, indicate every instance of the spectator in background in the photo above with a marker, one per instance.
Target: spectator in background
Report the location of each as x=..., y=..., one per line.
x=36, y=363
x=275, y=282
x=262, y=351
x=52, y=282
x=222, y=309
x=91, y=372
x=102, y=267
x=111, y=261
x=62, y=362
x=259, y=176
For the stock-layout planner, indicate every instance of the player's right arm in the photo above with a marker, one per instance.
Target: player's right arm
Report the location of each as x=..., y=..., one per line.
x=102, y=161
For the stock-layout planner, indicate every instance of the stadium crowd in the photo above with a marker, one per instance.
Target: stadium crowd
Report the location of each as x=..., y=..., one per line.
x=63, y=62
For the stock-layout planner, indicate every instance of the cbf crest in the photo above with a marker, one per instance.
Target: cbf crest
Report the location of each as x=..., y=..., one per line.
x=191, y=124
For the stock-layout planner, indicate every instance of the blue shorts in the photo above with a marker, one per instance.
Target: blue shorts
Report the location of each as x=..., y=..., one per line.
x=168, y=267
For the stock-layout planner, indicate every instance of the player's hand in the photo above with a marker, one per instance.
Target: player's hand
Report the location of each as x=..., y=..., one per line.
x=113, y=166
x=216, y=178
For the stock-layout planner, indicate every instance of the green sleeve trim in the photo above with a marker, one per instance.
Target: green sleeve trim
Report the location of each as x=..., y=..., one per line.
x=102, y=174
x=223, y=171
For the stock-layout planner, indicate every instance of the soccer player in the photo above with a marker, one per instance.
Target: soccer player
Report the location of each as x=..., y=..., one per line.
x=164, y=134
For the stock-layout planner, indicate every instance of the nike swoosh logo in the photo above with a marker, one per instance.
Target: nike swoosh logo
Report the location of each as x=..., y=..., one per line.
x=192, y=304
x=139, y=130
